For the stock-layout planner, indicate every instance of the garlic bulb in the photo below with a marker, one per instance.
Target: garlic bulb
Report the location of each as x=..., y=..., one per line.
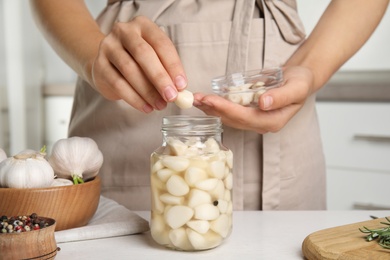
x=61, y=182
x=3, y=155
x=76, y=158
x=27, y=169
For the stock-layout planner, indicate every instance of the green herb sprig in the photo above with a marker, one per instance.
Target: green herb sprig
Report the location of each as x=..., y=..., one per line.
x=381, y=234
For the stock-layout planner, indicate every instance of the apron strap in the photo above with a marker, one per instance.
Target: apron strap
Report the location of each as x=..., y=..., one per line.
x=237, y=61
x=239, y=36
x=285, y=17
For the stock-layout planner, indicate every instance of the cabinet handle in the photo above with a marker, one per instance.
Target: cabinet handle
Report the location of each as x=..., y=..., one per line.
x=372, y=138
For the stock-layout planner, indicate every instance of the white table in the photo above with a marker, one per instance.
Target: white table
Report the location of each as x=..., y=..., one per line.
x=256, y=235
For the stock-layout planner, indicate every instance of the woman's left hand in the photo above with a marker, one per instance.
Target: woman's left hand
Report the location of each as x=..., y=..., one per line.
x=275, y=108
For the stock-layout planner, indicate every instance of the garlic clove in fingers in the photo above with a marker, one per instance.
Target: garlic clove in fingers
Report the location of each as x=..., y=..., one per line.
x=27, y=169
x=184, y=99
x=76, y=158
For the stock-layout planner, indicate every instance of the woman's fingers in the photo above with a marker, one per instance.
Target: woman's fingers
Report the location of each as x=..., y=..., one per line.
x=232, y=114
x=276, y=107
x=138, y=61
x=114, y=87
x=157, y=56
x=295, y=89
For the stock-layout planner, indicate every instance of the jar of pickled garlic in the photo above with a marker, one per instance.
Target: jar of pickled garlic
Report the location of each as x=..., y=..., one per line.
x=191, y=184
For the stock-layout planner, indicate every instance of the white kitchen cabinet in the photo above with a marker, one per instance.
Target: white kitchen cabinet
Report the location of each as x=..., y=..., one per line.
x=57, y=115
x=356, y=140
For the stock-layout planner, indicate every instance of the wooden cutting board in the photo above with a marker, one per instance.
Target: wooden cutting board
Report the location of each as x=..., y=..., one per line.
x=345, y=243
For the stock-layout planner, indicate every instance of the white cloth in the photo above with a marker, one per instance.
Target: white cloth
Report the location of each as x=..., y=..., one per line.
x=111, y=219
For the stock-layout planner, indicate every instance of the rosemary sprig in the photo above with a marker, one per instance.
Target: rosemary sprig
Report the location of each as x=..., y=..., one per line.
x=382, y=234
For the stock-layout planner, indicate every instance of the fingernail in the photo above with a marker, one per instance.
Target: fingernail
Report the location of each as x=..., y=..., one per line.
x=147, y=108
x=160, y=104
x=180, y=82
x=197, y=103
x=267, y=101
x=170, y=93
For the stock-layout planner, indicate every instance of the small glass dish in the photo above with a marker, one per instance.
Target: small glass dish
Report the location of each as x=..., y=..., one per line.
x=245, y=88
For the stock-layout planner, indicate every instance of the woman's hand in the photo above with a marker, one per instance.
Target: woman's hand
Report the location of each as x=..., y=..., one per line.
x=276, y=107
x=138, y=63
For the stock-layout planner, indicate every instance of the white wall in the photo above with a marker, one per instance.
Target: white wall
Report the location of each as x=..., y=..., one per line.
x=26, y=63
x=21, y=74
x=374, y=55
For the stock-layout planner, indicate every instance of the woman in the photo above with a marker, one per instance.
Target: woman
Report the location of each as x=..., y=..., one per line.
x=138, y=54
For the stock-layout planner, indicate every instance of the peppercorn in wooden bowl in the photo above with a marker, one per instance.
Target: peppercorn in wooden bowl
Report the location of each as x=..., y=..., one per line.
x=27, y=238
x=70, y=206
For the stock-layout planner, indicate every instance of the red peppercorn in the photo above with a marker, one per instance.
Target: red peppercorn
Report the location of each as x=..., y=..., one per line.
x=17, y=228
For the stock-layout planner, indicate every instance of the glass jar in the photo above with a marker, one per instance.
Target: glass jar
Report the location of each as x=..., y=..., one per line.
x=191, y=184
x=245, y=88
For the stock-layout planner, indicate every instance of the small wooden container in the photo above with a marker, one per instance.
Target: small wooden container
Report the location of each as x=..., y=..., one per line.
x=35, y=244
x=71, y=206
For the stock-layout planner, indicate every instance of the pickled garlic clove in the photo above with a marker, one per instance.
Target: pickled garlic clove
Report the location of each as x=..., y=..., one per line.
x=258, y=84
x=245, y=86
x=194, y=175
x=159, y=230
x=165, y=174
x=175, y=163
x=229, y=181
x=219, y=191
x=200, y=226
x=228, y=195
x=199, y=162
x=197, y=197
x=229, y=159
x=177, y=186
x=217, y=169
x=178, y=216
x=246, y=98
x=179, y=239
x=208, y=184
x=206, y=212
x=177, y=147
x=211, y=146
x=257, y=95
x=170, y=199
x=223, y=206
x=235, y=98
x=205, y=241
x=157, y=166
x=156, y=183
x=221, y=225
x=158, y=206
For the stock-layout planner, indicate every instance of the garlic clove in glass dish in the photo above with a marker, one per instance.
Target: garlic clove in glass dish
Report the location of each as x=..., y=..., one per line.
x=245, y=88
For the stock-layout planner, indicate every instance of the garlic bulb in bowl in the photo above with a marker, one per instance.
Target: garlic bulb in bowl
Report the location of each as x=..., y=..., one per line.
x=27, y=169
x=76, y=158
x=58, y=182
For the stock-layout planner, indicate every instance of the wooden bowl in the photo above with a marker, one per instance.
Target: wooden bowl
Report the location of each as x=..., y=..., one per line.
x=35, y=244
x=70, y=206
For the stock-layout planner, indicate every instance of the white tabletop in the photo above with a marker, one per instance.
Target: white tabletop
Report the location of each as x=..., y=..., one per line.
x=256, y=235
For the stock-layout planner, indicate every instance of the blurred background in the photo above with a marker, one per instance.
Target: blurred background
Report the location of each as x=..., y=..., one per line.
x=36, y=89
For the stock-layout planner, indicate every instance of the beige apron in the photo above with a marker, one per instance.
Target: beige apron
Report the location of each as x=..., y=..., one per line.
x=283, y=170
